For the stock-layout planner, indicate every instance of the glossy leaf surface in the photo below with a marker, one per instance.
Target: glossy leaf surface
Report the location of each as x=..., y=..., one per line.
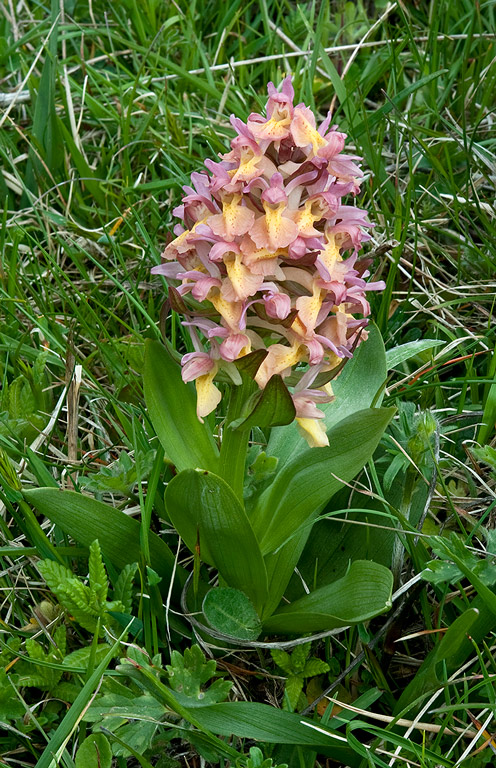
x=203, y=507
x=171, y=405
x=355, y=388
x=270, y=406
x=86, y=519
x=229, y=611
x=403, y=352
x=307, y=482
x=364, y=592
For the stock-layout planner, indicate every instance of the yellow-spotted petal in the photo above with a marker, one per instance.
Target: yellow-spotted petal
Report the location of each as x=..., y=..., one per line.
x=304, y=131
x=230, y=311
x=280, y=359
x=243, y=281
x=308, y=311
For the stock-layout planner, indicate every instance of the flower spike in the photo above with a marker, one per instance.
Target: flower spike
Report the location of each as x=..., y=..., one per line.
x=268, y=250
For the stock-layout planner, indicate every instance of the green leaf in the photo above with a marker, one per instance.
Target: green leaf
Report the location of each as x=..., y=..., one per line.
x=306, y=483
x=80, y=658
x=282, y=659
x=10, y=706
x=94, y=752
x=257, y=760
x=447, y=650
x=123, y=590
x=292, y=690
x=485, y=453
x=45, y=156
x=69, y=722
x=453, y=549
x=364, y=592
x=404, y=352
x=171, y=406
x=355, y=388
x=272, y=406
x=488, y=421
x=75, y=597
x=189, y=673
x=299, y=658
x=230, y=611
x=280, y=568
x=315, y=667
x=97, y=573
x=251, y=720
x=378, y=114
x=135, y=739
x=113, y=706
x=202, y=505
x=85, y=519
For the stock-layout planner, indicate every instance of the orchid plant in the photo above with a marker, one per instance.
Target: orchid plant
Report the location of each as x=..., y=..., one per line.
x=260, y=249
x=265, y=271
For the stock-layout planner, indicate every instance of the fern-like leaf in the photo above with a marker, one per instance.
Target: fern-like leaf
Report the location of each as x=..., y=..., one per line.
x=124, y=586
x=98, y=576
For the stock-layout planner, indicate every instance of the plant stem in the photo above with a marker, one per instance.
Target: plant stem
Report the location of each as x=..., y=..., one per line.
x=234, y=443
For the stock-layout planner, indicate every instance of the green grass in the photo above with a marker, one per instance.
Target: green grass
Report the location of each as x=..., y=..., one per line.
x=119, y=104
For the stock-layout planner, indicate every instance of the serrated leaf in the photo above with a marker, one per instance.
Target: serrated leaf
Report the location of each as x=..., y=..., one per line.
x=439, y=572
x=256, y=760
x=188, y=674
x=21, y=400
x=97, y=573
x=292, y=690
x=137, y=736
x=10, y=706
x=76, y=598
x=123, y=590
x=315, y=667
x=282, y=659
x=80, y=658
x=231, y=612
x=189, y=671
x=43, y=676
x=299, y=657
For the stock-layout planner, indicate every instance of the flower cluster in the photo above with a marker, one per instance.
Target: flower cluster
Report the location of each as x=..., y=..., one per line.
x=268, y=251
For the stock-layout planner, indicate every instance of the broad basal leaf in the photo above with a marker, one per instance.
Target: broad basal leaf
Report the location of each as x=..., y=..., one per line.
x=229, y=611
x=355, y=388
x=171, y=406
x=94, y=752
x=86, y=519
x=307, y=482
x=204, y=509
x=364, y=592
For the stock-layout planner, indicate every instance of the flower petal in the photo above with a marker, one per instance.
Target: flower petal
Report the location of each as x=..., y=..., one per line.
x=208, y=396
x=313, y=431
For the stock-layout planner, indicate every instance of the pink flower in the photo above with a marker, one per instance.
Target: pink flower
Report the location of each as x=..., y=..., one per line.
x=268, y=247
